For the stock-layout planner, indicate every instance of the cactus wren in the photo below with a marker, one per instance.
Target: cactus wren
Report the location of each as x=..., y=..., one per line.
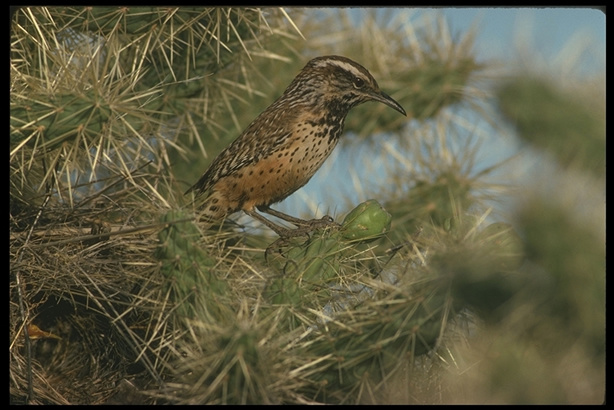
x=287, y=143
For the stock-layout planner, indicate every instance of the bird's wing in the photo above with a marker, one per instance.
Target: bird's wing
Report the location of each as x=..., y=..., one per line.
x=250, y=147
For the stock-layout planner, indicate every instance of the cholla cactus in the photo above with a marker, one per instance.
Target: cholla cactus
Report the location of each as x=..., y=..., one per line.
x=190, y=280
x=310, y=270
x=358, y=331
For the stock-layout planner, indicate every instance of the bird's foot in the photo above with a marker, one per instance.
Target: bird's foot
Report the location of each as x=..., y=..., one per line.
x=324, y=222
x=288, y=236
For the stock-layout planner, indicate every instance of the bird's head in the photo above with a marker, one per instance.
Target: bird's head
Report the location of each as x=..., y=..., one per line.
x=339, y=81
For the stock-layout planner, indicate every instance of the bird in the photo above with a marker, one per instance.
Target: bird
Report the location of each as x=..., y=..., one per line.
x=284, y=146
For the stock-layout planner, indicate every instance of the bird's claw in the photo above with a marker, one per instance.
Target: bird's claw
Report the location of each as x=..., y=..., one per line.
x=286, y=235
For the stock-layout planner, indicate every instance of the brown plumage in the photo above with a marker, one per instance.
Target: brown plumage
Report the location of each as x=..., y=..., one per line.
x=287, y=143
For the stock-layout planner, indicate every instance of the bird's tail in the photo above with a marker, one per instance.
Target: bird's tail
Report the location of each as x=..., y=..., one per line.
x=211, y=209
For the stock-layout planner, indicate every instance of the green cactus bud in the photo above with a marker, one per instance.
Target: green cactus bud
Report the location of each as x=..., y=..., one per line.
x=367, y=221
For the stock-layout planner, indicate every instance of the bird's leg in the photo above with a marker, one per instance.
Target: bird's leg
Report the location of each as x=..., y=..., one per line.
x=311, y=224
x=285, y=234
x=288, y=218
x=279, y=230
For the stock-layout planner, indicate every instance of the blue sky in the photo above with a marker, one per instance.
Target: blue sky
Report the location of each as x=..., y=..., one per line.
x=549, y=30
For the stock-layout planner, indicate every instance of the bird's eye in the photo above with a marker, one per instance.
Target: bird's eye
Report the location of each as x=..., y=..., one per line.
x=359, y=82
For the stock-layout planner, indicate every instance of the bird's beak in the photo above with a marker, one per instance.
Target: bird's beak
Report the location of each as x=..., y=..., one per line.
x=389, y=101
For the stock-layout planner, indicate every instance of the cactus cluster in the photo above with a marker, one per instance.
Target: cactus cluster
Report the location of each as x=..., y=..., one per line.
x=359, y=326
x=363, y=332
x=122, y=29
x=359, y=331
x=370, y=342
x=309, y=272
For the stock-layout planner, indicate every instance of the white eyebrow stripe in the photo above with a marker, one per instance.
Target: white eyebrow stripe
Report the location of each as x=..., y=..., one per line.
x=344, y=66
